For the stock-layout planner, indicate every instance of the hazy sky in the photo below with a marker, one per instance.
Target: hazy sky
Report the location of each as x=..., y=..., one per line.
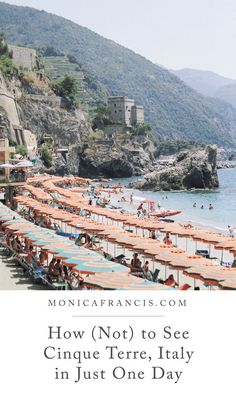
x=174, y=33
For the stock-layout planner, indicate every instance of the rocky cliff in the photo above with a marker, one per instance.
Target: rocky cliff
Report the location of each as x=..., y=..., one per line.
x=121, y=156
x=196, y=169
x=42, y=117
x=88, y=153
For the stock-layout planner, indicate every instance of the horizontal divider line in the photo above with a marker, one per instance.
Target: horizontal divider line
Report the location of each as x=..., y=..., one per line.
x=118, y=316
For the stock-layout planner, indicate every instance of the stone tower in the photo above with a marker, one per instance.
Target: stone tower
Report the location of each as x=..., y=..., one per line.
x=124, y=110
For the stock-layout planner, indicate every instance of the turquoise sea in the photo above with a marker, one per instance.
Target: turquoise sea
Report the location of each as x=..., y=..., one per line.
x=222, y=199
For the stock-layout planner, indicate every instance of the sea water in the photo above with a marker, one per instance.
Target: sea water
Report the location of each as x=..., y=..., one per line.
x=222, y=199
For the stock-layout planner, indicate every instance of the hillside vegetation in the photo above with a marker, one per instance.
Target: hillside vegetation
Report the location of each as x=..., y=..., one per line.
x=210, y=84
x=90, y=92
x=173, y=109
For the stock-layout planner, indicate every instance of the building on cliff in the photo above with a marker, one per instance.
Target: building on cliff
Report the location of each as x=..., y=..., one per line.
x=10, y=123
x=124, y=110
x=24, y=57
x=27, y=60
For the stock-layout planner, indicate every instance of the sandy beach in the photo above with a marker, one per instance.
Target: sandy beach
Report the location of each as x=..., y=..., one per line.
x=12, y=276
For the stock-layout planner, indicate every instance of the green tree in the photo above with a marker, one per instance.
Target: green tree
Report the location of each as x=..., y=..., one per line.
x=142, y=129
x=3, y=45
x=22, y=150
x=46, y=155
x=101, y=117
x=68, y=89
x=7, y=67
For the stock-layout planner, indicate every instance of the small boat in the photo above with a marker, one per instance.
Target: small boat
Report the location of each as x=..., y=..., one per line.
x=166, y=213
x=104, y=180
x=169, y=220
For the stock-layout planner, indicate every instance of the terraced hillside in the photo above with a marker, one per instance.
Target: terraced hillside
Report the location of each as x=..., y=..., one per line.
x=90, y=92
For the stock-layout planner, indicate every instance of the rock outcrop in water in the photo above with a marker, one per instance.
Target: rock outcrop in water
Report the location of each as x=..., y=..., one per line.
x=196, y=169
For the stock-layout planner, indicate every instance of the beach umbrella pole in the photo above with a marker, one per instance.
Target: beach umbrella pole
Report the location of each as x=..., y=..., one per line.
x=209, y=250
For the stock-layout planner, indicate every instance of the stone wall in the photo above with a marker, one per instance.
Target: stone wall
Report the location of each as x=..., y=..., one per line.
x=24, y=57
x=53, y=101
x=30, y=141
x=115, y=129
x=137, y=115
x=7, y=102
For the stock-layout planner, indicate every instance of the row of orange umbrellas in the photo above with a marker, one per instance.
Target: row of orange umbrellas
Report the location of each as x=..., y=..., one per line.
x=167, y=255
x=77, y=202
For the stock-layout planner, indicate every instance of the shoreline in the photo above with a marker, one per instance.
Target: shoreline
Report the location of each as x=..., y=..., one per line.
x=222, y=199
x=178, y=218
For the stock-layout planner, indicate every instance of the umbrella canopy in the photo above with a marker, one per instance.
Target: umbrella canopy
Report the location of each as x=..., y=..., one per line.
x=10, y=166
x=23, y=164
x=121, y=281
x=98, y=266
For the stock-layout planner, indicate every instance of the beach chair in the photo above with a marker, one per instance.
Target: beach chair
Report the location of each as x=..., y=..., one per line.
x=107, y=256
x=226, y=264
x=119, y=258
x=59, y=286
x=203, y=253
x=24, y=264
x=155, y=275
x=184, y=287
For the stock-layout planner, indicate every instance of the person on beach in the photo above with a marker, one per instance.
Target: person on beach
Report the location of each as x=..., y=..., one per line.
x=140, y=209
x=56, y=270
x=210, y=206
x=152, y=235
x=140, y=206
x=131, y=198
x=187, y=226
x=42, y=257
x=144, y=212
x=136, y=263
x=170, y=281
x=194, y=205
x=146, y=272
x=231, y=230
x=202, y=207
x=167, y=240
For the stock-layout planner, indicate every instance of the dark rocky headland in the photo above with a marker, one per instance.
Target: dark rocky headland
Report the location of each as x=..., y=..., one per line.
x=196, y=169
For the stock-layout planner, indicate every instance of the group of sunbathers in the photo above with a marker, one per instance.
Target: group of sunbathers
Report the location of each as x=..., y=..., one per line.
x=57, y=271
